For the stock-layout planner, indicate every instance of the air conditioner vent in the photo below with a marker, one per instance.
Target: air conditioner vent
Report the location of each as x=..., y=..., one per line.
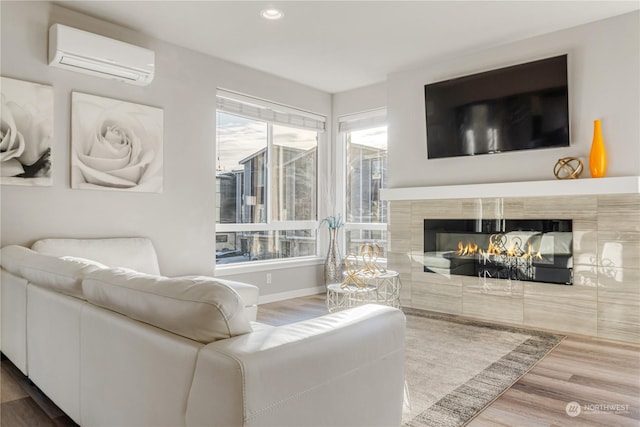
x=89, y=53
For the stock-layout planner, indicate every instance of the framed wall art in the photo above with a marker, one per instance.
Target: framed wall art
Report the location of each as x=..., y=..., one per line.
x=26, y=132
x=115, y=145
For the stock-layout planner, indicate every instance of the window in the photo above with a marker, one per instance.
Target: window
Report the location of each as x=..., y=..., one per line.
x=365, y=159
x=266, y=180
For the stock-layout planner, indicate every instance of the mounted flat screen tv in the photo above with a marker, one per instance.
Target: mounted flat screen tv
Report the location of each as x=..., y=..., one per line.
x=522, y=107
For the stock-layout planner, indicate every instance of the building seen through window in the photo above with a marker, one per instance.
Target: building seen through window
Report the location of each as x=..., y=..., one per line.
x=366, y=174
x=266, y=185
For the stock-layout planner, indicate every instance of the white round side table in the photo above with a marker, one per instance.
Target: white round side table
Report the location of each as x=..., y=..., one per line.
x=387, y=286
x=383, y=288
x=339, y=298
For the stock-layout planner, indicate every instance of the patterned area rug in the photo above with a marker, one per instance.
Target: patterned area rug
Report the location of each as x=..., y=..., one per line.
x=456, y=367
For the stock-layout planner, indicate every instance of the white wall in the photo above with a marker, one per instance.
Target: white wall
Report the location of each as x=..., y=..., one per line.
x=604, y=70
x=359, y=100
x=180, y=220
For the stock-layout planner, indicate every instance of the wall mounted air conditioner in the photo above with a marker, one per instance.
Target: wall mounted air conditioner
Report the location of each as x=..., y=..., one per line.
x=89, y=53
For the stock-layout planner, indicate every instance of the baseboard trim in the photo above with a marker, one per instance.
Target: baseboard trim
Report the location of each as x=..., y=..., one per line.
x=264, y=299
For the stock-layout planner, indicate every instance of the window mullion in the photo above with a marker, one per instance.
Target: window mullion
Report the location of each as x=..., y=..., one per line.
x=268, y=174
x=365, y=226
x=343, y=175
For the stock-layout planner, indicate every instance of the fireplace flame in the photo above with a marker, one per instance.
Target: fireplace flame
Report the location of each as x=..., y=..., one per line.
x=530, y=254
x=514, y=250
x=468, y=249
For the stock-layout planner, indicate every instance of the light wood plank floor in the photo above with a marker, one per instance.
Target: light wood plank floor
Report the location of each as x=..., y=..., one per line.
x=585, y=370
x=603, y=375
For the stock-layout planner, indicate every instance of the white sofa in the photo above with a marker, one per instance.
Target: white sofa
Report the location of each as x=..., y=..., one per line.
x=127, y=347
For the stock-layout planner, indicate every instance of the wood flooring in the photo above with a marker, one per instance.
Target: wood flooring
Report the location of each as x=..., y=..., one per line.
x=602, y=377
x=23, y=404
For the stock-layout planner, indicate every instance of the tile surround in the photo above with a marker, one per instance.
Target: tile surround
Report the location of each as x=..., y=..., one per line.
x=491, y=299
x=604, y=300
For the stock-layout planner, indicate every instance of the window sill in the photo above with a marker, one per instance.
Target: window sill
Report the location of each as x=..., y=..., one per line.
x=269, y=265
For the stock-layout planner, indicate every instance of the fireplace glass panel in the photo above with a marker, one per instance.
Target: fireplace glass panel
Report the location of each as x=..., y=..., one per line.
x=537, y=250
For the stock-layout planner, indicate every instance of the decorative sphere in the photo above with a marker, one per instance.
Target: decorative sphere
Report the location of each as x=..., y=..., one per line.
x=568, y=168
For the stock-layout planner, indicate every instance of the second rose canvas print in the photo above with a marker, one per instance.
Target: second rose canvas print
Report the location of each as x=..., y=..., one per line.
x=26, y=131
x=115, y=145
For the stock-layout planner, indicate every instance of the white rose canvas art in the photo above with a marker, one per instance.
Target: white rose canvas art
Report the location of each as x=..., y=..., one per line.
x=115, y=145
x=26, y=132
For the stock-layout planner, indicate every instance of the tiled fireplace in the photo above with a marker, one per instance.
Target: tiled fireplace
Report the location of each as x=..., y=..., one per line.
x=604, y=261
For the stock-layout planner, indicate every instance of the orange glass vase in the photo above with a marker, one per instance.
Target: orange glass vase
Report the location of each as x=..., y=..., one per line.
x=598, y=155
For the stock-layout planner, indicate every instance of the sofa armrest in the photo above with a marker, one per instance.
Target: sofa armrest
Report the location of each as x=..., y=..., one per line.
x=248, y=293
x=342, y=369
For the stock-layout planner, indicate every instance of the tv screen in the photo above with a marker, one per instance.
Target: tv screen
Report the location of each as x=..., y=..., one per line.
x=521, y=107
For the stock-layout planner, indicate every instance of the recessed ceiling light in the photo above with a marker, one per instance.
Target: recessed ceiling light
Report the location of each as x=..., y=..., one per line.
x=272, y=14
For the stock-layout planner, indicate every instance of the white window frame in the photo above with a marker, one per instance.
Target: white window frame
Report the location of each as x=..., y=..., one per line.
x=273, y=113
x=347, y=123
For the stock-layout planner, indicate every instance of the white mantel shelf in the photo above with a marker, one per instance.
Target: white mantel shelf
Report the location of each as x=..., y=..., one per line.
x=570, y=187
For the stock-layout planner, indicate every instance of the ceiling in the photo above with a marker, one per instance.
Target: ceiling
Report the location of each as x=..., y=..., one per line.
x=340, y=45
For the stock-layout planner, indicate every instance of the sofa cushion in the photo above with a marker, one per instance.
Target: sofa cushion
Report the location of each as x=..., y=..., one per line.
x=62, y=274
x=11, y=258
x=136, y=253
x=201, y=309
